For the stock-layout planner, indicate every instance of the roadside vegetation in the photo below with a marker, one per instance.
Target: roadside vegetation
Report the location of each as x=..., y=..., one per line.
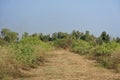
x=29, y=51
x=20, y=54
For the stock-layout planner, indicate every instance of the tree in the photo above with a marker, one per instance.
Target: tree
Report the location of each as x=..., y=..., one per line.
x=34, y=35
x=118, y=40
x=8, y=35
x=45, y=37
x=41, y=36
x=25, y=35
x=76, y=34
x=86, y=36
x=104, y=37
x=54, y=36
x=62, y=35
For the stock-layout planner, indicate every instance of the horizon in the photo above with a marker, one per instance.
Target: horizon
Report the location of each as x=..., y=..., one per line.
x=49, y=16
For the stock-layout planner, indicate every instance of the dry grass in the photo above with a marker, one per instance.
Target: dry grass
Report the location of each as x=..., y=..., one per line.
x=8, y=64
x=64, y=65
x=115, y=58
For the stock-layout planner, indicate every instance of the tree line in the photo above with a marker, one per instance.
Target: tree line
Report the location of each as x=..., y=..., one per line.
x=9, y=36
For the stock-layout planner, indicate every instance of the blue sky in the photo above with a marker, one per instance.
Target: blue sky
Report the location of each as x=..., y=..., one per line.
x=48, y=16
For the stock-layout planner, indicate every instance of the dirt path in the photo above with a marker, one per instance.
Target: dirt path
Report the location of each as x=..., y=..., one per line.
x=64, y=65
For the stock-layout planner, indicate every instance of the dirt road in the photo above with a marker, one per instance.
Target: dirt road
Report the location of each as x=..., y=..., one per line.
x=65, y=65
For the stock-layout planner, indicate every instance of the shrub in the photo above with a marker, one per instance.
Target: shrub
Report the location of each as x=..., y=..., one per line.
x=108, y=54
x=28, y=50
x=63, y=43
x=22, y=55
x=105, y=62
x=81, y=47
x=25, y=54
x=111, y=62
x=32, y=41
x=105, y=49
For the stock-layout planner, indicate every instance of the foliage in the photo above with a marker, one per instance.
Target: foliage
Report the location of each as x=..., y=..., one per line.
x=8, y=35
x=105, y=49
x=30, y=40
x=81, y=47
x=104, y=37
x=59, y=35
x=35, y=41
x=111, y=62
x=108, y=55
x=25, y=50
x=2, y=42
x=118, y=40
x=76, y=34
x=63, y=43
x=30, y=49
x=24, y=54
x=25, y=35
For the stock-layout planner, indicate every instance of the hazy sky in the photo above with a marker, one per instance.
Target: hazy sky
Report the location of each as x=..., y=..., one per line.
x=48, y=16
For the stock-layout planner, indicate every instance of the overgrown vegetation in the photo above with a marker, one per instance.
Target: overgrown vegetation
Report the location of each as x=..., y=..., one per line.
x=81, y=47
x=26, y=52
x=63, y=43
x=15, y=55
x=106, y=54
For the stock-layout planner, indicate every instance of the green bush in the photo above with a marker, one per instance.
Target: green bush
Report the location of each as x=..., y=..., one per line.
x=21, y=55
x=25, y=54
x=111, y=62
x=29, y=49
x=105, y=49
x=108, y=54
x=32, y=41
x=81, y=47
x=63, y=43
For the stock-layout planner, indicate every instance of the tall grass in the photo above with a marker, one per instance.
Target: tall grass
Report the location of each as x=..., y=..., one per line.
x=115, y=58
x=8, y=63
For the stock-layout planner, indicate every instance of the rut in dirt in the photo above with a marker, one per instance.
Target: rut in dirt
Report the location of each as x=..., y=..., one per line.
x=65, y=65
